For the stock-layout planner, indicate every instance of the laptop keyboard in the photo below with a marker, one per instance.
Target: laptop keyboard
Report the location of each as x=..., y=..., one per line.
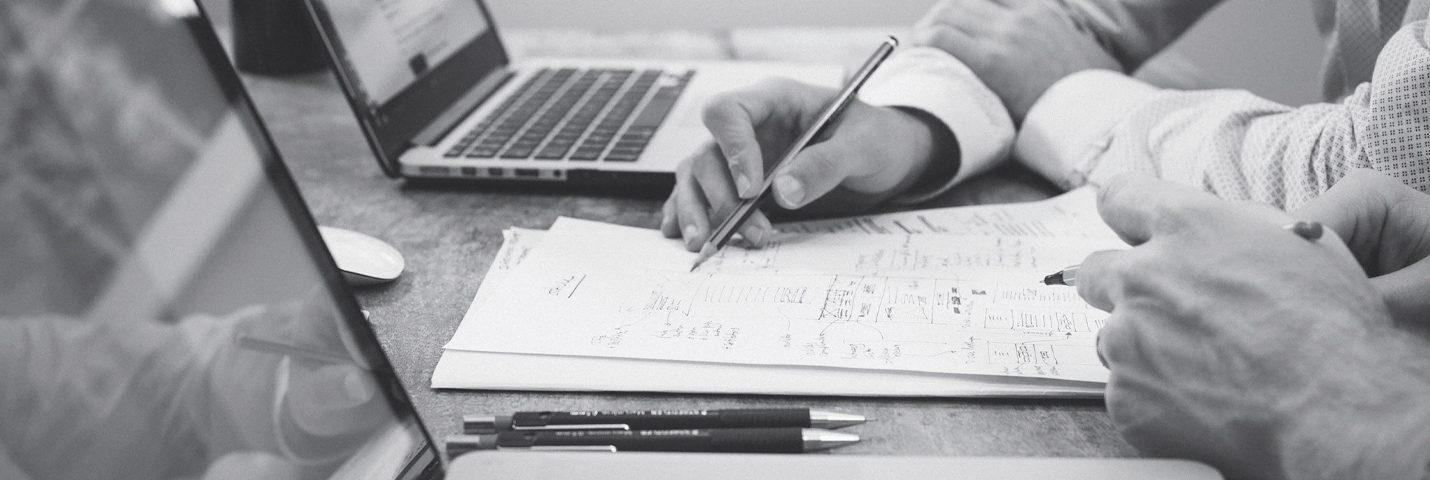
x=577, y=115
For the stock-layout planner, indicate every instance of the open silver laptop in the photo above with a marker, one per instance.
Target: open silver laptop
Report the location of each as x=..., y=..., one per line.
x=438, y=97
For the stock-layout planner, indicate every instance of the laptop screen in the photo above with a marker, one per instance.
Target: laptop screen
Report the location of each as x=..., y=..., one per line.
x=167, y=309
x=393, y=43
x=402, y=63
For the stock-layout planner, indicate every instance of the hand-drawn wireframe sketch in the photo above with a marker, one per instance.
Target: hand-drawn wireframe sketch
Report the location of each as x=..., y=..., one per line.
x=933, y=303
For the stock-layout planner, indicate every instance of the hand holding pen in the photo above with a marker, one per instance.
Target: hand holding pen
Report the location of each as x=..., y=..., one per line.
x=867, y=155
x=791, y=192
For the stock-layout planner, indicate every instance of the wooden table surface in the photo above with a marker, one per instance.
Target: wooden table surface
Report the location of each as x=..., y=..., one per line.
x=450, y=237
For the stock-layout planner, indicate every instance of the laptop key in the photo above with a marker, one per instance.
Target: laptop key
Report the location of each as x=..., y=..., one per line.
x=552, y=153
x=482, y=153
x=517, y=152
x=622, y=157
x=587, y=154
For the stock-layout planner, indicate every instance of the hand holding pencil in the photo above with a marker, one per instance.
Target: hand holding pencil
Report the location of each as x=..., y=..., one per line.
x=865, y=155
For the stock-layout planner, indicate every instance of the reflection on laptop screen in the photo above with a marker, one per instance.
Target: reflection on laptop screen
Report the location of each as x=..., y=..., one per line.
x=164, y=309
x=391, y=43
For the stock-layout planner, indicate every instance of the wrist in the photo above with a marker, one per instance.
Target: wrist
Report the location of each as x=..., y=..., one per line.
x=1383, y=432
x=935, y=157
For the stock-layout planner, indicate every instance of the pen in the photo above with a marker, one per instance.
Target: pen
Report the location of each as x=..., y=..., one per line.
x=1307, y=230
x=1068, y=276
x=726, y=440
x=737, y=218
x=659, y=420
x=277, y=348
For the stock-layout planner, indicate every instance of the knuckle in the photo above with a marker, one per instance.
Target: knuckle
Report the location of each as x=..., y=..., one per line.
x=719, y=108
x=1115, y=190
x=818, y=164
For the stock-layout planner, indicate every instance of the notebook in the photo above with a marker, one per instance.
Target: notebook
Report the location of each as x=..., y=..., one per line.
x=438, y=97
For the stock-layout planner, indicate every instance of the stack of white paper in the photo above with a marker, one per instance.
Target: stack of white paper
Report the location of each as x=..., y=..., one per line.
x=940, y=302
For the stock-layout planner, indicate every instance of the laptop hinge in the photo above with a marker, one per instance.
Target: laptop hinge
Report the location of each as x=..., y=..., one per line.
x=459, y=110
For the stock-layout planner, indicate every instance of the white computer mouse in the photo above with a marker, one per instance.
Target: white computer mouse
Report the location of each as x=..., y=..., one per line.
x=363, y=259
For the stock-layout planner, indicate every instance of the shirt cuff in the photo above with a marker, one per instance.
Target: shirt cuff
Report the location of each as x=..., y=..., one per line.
x=933, y=81
x=1072, y=123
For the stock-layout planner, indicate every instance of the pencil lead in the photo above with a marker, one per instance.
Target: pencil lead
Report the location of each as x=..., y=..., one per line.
x=705, y=253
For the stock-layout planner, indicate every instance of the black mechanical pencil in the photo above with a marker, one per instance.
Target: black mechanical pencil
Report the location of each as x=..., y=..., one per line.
x=726, y=440
x=659, y=420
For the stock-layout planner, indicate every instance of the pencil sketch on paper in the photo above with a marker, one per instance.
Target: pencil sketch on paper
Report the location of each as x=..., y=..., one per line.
x=932, y=303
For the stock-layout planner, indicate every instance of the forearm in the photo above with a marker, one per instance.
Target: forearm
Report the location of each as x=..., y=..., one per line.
x=1094, y=125
x=958, y=108
x=1135, y=31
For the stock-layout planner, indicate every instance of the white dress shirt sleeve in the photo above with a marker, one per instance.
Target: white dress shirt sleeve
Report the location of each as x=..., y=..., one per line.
x=933, y=81
x=1072, y=123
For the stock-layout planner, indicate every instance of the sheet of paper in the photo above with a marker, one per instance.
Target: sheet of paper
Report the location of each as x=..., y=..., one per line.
x=516, y=245
x=1073, y=214
x=929, y=303
x=460, y=369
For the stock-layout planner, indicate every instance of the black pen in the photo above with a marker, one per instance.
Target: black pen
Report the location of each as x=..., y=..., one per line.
x=746, y=208
x=659, y=420
x=1068, y=276
x=724, y=440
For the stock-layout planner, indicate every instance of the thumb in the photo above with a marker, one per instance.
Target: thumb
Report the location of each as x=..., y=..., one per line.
x=1404, y=292
x=812, y=173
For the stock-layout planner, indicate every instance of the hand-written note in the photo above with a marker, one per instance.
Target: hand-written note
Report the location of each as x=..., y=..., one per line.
x=1073, y=214
x=932, y=303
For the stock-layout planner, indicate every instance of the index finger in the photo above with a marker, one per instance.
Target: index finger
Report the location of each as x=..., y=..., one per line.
x=1100, y=278
x=731, y=119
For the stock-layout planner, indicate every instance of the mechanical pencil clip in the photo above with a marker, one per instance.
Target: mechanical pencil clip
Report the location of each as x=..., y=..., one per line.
x=1068, y=276
x=278, y=348
x=746, y=208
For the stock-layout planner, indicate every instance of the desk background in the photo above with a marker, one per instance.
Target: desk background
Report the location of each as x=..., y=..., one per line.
x=451, y=236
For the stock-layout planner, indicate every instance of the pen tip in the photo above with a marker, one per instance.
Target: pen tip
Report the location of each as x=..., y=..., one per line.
x=1054, y=279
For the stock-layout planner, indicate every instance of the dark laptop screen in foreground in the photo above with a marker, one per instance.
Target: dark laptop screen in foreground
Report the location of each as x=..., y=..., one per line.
x=166, y=307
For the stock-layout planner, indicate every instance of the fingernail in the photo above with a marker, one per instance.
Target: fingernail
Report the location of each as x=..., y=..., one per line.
x=790, y=190
x=757, y=237
x=690, y=233
x=742, y=184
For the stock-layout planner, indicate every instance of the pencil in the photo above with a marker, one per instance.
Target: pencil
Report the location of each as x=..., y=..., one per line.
x=278, y=348
x=746, y=208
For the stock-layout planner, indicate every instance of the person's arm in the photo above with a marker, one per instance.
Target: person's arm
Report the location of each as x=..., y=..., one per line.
x=1236, y=342
x=1095, y=124
x=1134, y=31
x=76, y=395
x=1022, y=47
x=922, y=123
